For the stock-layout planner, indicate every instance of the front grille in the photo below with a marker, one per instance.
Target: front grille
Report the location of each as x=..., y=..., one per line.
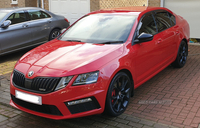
x=44, y=84
x=38, y=84
x=18, y=78
x=47, y=109
x=83, y=107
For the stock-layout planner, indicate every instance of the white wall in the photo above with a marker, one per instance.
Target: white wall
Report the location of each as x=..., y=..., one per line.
x=189, y=10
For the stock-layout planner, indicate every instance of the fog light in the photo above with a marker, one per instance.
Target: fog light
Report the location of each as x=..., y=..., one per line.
x=79, y=101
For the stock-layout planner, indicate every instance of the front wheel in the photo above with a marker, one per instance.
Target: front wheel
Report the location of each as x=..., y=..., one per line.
x=54, y=33
x=118, y=94
x=181, y=56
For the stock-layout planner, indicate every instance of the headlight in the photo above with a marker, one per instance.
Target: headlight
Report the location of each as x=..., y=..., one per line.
x=87, y=78
x=63, y=82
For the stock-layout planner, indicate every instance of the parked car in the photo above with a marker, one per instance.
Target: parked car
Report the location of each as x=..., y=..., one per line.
x=96, y=64
x=25, y=27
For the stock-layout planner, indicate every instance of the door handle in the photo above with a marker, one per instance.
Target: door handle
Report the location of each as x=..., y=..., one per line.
x=49, y=21
x=177, y=31
x=25, y=26
x=158, y=41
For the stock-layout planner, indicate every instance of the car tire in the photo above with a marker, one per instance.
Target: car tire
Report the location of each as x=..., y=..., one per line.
x=118, y=95
x=54, y=33
x=181, y=56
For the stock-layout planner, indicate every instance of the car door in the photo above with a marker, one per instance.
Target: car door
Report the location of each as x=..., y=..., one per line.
x=167, y=41
x=146, y=52
x=40, y=23
x=17, y=35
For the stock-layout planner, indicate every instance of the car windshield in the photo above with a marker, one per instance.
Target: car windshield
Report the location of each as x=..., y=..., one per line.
x=2, y=14
x=101, y=28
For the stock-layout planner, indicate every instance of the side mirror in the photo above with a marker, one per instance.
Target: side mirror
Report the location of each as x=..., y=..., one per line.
x=144, y=37
x=62, y=30
x=5, y=24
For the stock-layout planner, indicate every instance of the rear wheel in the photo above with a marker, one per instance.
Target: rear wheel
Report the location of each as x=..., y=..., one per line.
x=181, y=56
x=118, y=94
x=54, y=33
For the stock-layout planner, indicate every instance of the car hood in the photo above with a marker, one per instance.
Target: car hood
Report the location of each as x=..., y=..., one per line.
x=61, y=58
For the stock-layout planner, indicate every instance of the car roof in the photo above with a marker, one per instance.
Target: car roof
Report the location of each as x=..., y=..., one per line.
x=130, y=10
x=18, y=9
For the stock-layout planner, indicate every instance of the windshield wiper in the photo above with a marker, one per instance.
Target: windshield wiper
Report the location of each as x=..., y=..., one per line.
x=112, y=42
x=74, y=40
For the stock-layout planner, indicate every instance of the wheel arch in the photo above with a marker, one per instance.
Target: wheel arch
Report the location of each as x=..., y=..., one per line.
x=54, y=28
x=125, y=70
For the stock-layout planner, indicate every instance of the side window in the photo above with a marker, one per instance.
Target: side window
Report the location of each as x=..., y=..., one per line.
x=172, y=18
x=44, y=15
x=162, y=21
x=37, y=14
x=17, y=17
x=147, y=25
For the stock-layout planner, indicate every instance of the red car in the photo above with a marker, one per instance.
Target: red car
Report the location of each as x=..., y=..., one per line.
x=96, y=64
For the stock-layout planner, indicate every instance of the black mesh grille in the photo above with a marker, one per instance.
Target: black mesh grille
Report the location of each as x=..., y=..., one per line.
x=44, y=84
x=38, y=84
x=18, y=78
x=47, y=109
x=83, y=107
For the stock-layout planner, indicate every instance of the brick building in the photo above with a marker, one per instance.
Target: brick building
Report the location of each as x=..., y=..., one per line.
x=94, y=4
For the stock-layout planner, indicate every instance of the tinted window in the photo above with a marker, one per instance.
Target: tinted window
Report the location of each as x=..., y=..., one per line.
x=172, y=18
x=147, y=25
x=162, y=21
x=17, y=17
x=37, y=14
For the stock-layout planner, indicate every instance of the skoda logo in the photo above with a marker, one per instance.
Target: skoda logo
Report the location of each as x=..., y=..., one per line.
x=30, y=73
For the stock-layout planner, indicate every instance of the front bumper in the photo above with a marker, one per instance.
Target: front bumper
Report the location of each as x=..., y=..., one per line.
x=55, y=104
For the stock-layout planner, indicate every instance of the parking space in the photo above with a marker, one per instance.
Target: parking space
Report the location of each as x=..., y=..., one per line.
x=170, y=99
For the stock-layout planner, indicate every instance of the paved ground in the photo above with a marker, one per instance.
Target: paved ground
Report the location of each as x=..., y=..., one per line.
x=170, y=99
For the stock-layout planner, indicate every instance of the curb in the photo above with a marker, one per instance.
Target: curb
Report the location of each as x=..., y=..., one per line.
x=196, y=44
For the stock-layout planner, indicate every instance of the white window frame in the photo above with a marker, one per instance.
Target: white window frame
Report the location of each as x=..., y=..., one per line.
x=14, y=2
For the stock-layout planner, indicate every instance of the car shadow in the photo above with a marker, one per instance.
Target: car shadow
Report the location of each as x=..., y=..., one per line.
x=14, y=56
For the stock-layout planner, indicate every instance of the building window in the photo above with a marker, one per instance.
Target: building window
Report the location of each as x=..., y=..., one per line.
x=14, y=2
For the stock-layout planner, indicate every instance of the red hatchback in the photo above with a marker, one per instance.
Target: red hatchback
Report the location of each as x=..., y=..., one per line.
x=96, y=64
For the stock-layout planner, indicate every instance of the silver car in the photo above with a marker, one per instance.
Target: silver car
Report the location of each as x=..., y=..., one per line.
x=25, y=27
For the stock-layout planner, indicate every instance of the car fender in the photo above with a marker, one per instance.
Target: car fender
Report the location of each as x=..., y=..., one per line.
x=113, y=67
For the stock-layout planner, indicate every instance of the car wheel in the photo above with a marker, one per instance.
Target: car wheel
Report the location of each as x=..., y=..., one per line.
x=118, y=94
x=181, y=56
x=54, y=33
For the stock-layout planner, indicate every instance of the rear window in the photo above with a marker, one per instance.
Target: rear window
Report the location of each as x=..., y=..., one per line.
x=172, y=18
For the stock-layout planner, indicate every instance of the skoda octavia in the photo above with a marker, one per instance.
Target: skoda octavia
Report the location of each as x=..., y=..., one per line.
x=95, y=65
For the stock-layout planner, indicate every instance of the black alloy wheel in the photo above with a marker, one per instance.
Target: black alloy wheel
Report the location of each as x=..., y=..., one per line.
x=118, y=95
x=54, y=33
x=181, y=56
